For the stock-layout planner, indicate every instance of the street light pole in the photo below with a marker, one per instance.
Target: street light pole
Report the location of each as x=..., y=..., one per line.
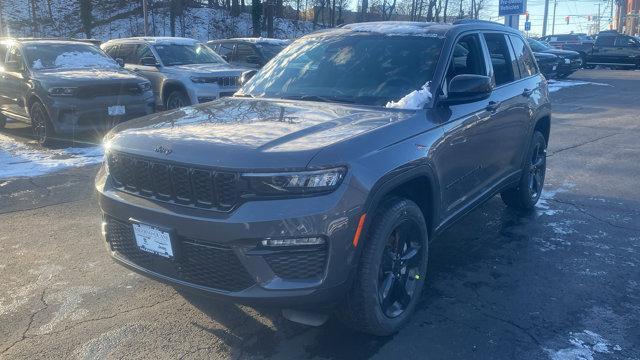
x=553, y=22
x=546, y=15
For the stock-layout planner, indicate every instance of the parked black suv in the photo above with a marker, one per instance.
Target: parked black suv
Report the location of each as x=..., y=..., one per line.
x=568, y=61
x=67, y=87
x=616, y=50
x=320, y=184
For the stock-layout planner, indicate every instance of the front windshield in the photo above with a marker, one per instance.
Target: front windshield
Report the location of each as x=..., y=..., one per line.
x=359, y=68
x=537, y=46
x=66, y=56
x=185, y=54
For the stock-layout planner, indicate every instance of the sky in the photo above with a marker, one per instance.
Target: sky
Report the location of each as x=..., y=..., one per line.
x=577, y=10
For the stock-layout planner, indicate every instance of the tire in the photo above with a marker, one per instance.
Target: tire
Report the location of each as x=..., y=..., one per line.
x=41, y=125
x=3, y=121
x=398, y=223
x=525, y=195
x=176, y=100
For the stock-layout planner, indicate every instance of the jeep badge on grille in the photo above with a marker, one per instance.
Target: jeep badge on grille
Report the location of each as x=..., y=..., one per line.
x=163, y=150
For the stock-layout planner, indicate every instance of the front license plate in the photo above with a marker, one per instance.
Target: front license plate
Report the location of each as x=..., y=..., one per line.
x=153, y=240
x=116, y=110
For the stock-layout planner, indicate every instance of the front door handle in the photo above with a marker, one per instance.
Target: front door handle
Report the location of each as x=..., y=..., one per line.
x=527, y=92
x=493, y=106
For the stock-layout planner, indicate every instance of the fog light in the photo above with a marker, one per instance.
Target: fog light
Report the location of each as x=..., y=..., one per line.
x=103, y=228
x=293, y=242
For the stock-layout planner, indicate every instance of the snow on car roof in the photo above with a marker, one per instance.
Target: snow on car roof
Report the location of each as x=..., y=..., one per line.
x=262, y=40
x=163, y=40
x=394, y=28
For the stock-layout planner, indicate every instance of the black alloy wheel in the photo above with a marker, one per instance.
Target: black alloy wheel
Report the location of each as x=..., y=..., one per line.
x=176, y=100
x=400, y=269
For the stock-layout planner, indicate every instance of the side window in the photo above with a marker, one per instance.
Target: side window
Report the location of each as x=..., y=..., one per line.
x=467, y=58
x=626, y=41
x=127, y=52
x=524, y=58
x=15, y=57
x=111, y=51
x=500, y=58
x=143, y=51
x=225, y=50
x=244, y=51
x=605, y=40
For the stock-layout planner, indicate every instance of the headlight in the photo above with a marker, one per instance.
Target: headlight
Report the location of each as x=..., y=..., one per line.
x=145, y=86
x=285, y=183
x=201, y=80
x=62, y=91
x=567, y=61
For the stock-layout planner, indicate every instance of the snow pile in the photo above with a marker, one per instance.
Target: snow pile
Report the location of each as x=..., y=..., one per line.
x=555, y=85
x=20, y=160
x=392, y=28
x=585, y=345
x=82, y=59
x=415, y=100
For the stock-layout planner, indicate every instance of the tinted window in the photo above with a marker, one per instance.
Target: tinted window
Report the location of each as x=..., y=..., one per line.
x=500, y=58
x=605, y=40
x=468, y=58
x=537, y=46
x=244, y=52
x=626, y=41
x=111, y=50
x=225, y=50
x=364, y=69
x=269, y=51
x=524, y=58
x=143, y=51
x=127, y=52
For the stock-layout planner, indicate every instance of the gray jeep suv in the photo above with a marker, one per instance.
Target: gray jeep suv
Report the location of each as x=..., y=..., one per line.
x=183, y=71
x=321, y=183
x=67, y=87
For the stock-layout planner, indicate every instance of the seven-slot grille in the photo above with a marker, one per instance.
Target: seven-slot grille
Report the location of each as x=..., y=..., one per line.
x=223, y=80
x=176, y=183
x=206, y=264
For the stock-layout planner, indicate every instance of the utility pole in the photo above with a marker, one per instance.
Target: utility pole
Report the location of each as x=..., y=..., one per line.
x=145, y=15
x=553, y=22
x=611, y=17
x=546, y=15
x=598, y=22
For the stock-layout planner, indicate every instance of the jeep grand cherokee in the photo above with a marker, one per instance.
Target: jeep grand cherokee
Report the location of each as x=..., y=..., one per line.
x=319, y=185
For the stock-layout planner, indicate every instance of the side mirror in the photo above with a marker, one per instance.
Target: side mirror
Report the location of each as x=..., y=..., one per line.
x=253, y=59
x=148, y=61
x=246, y=76
x=468, y=88
x=120, y=61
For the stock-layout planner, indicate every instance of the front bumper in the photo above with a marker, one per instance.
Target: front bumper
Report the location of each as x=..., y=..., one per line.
x=73, y=115
x=217, y=253
x=202, y=93
x=572, y=66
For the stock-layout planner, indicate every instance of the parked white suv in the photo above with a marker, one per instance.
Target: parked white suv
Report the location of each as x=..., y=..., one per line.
x=182, y=71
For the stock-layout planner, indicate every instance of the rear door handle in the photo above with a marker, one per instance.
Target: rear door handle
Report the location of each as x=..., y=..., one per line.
x=493, y=106
x=527, y=92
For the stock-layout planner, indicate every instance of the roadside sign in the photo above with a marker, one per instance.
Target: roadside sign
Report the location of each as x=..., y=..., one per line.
x=527, y=26
x=512, y=7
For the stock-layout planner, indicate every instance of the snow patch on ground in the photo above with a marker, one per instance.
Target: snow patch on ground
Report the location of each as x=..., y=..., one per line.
x=20, y=160
x=555, y=85
x=415, y=100
x=584, y=345
x=543, y=206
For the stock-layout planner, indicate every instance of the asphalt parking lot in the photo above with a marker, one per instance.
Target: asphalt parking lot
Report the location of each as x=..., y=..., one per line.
x=561, y=283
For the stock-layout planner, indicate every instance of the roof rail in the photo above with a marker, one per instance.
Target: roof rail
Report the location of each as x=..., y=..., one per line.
x=474, y=21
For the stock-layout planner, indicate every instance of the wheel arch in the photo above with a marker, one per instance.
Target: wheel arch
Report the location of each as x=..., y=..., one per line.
x=418, y=184
x=543, y=124
x=168, y=87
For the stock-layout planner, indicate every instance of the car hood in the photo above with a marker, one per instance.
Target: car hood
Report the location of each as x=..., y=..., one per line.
x=544, y=56
x=248, y=133
x=87, y=76
x=206, y=68
x=564, y=53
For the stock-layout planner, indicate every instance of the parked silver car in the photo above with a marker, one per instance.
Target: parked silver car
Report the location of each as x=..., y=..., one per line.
x=182, y=71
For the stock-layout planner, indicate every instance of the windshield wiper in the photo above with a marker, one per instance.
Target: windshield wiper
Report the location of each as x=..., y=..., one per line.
x=319, y=98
